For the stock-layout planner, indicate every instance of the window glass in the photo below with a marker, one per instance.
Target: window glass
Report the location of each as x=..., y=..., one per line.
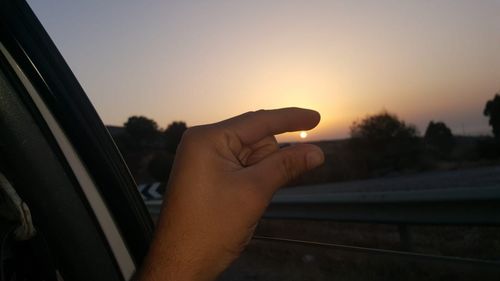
x=409, y=95
x=197, y=62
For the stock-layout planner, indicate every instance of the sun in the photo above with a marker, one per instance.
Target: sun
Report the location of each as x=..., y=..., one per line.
x=303, y=134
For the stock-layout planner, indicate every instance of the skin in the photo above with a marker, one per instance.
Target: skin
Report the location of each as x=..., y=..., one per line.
x=223, y=178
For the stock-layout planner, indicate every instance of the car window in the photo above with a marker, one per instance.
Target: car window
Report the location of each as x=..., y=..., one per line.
x=84, y=206
x=34, y=178
x=409, y=94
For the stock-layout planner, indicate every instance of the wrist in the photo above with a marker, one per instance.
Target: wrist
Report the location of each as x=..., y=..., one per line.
x=162, y=264
x=174, y=257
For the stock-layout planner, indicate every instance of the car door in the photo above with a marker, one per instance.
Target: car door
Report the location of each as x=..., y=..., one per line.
x=61, y=161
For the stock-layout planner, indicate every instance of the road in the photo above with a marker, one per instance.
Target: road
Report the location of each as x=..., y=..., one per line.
x=457, y=179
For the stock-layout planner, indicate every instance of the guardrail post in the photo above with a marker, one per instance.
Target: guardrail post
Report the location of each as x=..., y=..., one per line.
x=405, y=238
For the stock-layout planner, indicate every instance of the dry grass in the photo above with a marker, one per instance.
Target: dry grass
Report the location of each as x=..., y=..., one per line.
x=282, y=261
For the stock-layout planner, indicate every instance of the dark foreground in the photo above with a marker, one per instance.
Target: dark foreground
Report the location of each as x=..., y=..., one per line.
x=273, y=261
x=282, y=261
x=264, y=260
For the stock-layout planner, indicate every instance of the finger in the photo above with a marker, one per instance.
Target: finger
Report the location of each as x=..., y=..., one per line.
x=284, y=165
x=253, y=126
x=261, y=149
x=252, y=154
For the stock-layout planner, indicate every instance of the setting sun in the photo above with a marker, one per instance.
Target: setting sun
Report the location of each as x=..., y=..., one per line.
x=303, y=134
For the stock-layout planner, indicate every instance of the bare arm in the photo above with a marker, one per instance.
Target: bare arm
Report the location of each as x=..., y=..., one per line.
x=223, y=178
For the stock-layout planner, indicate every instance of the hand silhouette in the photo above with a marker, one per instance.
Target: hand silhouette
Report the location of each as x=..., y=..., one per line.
x=223, y=178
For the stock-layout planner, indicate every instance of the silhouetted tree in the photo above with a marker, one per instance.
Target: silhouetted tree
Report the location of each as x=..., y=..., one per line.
x=382, y=126
x=124, y=142
x=173, y=134
x=492, y=110
x=439, y=139
x=141, y=128
x=160, y=165
x=143, y=132
x=383, y=142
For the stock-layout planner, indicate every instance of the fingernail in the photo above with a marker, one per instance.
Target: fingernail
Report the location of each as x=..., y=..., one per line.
x=314, y=159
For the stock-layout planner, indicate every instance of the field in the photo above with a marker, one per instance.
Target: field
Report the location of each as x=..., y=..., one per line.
x=271, y=261
x=265, y=260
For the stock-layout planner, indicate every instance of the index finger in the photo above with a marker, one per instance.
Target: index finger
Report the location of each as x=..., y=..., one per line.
x=253, y=126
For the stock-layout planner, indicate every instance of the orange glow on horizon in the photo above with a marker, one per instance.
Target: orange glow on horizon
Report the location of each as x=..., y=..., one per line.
x=345, y=61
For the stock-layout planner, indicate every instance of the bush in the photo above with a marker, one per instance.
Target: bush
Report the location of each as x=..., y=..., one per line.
x=439, y=140
x=173, y=135
x=160, y=165
x=488, y=149
x=383, y=143
x=492, y=110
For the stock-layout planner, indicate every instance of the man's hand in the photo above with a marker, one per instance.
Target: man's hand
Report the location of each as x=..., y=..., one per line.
x=223, y=178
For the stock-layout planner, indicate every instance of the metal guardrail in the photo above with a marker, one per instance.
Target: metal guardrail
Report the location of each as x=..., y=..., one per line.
x=460, y=196
x=154, y=207
x=454, y=197
x=480, y=205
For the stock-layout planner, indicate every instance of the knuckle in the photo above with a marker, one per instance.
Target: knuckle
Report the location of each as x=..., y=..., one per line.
x=248, y=114
x=194, y=134
x=190, y=133
x=288, y=168
x=254, y=113
x=211, y=134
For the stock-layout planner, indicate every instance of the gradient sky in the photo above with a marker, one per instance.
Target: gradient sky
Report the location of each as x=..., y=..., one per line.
x=203, y=61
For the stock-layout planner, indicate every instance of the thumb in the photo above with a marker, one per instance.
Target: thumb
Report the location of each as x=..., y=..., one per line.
x=284, y=165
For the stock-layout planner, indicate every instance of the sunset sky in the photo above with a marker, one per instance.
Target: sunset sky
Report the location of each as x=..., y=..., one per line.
x=203, y=61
